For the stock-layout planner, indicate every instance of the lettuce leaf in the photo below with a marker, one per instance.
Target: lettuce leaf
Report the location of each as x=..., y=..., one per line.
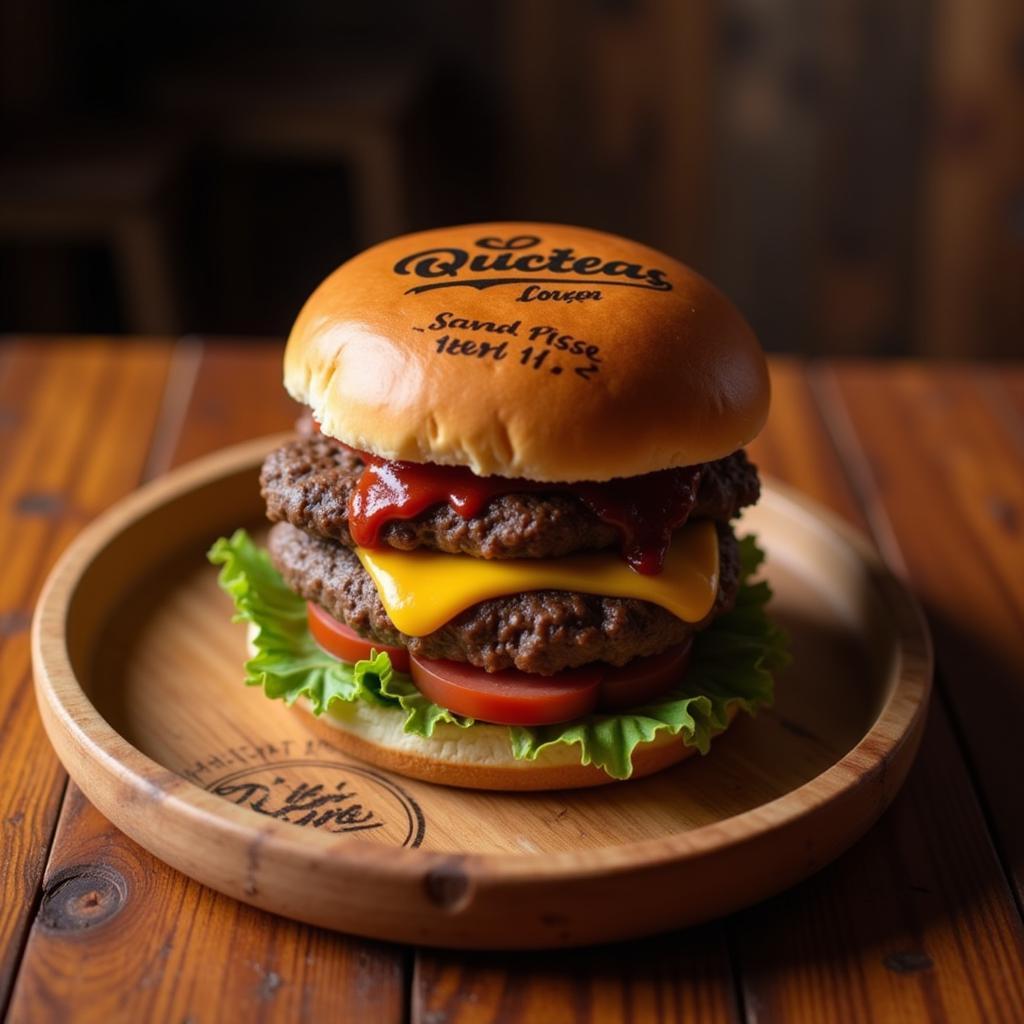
x=732, y=665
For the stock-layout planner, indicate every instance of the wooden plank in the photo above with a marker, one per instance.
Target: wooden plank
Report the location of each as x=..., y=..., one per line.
x=121, y=935
x=661, y=981
x=768, y=139
x=873, y=57
x=632, y=82
x=942, y=473
x=238, y=395
x=970, y=257
x=75, y=425
x=916, y=922
x=1003, y=387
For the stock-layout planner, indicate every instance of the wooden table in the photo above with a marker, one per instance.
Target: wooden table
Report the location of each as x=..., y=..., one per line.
x=920, y=921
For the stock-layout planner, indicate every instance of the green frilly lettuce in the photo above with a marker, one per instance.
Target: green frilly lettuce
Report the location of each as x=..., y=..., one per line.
x=732, y=664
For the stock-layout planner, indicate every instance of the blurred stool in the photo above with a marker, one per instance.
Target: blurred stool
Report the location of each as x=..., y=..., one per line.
x=113, y=193
x=344, y=110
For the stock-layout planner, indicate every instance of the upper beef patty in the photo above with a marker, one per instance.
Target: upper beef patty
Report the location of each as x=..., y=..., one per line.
x=540, y=631
x=308, y=482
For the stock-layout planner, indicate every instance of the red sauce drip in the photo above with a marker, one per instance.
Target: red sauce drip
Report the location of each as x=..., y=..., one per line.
x=645, y=510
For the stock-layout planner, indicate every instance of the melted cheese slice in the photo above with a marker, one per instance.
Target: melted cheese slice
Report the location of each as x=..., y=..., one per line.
x=422, y=590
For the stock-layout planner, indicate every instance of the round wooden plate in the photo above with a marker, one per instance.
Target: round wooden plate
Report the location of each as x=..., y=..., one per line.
x=138, y=674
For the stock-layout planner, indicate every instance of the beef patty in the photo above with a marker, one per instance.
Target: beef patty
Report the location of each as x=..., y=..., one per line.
x=541, y=631
x=307, y=483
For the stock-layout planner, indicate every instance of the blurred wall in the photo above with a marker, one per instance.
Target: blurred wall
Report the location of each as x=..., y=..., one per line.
x=851, y=172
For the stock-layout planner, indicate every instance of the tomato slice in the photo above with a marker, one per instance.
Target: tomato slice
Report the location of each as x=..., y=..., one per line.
x=521, y=698
x=644, y=679
x=345, y=643
x=509, y=697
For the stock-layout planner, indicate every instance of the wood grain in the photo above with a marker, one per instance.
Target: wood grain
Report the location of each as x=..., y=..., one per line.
x=237, y=395
x=872, y=57
x=120, y=936
x=768, y=139
x=75, y=425
x=636, y=100
x=941, y=473
x=916, y=922
x=970, y=257
x=171, y=949
x=1003, y=387
x=665, y=980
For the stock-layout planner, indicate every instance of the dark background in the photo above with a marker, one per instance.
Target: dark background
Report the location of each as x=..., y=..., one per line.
x=851, y=172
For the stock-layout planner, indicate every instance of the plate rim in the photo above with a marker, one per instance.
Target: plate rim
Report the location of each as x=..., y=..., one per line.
x=899, y=720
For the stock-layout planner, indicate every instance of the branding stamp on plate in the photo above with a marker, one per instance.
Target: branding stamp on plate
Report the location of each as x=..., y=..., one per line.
x=299, y=782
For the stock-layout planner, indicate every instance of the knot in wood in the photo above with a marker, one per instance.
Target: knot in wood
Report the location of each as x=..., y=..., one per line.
x=12, y=623
x=40, y=505
x=449, y=887
x=82, y=897
x=908, y=962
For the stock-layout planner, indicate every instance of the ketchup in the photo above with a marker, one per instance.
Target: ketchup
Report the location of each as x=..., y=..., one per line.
x=643, y=509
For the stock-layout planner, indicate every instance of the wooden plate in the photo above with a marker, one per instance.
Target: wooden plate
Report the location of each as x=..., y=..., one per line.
x=138, y=676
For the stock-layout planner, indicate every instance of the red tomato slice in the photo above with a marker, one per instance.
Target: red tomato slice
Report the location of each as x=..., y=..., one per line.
x=644, y=679
x=338, y=639
x=508, y=697
x=521, y=698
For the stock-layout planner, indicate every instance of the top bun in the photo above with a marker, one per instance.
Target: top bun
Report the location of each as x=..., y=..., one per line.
x=527, y=350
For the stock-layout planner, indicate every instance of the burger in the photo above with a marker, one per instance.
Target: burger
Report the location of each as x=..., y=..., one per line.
x=502, y=553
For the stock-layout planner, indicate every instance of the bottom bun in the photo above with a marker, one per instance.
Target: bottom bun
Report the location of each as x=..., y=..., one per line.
x=478, y=757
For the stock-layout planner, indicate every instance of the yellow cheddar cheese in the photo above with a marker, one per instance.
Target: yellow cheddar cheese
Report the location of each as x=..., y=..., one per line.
x=422, y=590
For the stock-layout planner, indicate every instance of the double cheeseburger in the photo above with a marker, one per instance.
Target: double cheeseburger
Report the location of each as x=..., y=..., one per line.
x=502, y=554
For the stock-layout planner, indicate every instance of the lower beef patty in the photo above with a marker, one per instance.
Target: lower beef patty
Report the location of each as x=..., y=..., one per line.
x=541, y=631
x=308, y=482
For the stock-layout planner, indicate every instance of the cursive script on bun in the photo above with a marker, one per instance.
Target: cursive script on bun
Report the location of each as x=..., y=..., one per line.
x=511, y=255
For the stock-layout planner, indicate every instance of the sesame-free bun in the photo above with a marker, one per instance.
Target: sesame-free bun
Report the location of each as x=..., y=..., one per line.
x=527, y=350
x=478, y=757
